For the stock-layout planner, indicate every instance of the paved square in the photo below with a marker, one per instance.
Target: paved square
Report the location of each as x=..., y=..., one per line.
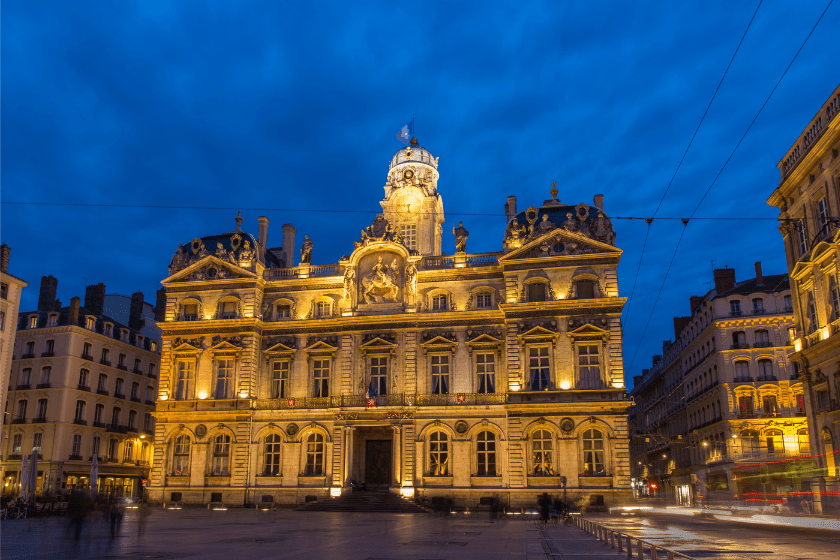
x=239, y=534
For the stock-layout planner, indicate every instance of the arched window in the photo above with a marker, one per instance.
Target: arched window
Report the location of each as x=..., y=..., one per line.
x=486, y=453
x=542, y=445
x=314, y=455
x=438, y=454
x=221, y=456
x=804, y=442
x=128, y=451
x=775, y=441
x=537, y=291
x=585, y=289
x=593, y=452
x=181, y=456
x=189, y=310
x=749, y=442
x=271, y=455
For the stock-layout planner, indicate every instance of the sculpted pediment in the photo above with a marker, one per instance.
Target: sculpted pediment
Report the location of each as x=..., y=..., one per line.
x=322, y=345
x=801, y=269
x=588, y=331
x=224, y=346
x=187, y=348
x=443, y=341
x=559, y=242
x=379, y=343
x=209, y=268
x=536, y=334
x=484, y=340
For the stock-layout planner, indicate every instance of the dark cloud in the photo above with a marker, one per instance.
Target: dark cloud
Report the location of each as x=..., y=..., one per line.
x=296, y=105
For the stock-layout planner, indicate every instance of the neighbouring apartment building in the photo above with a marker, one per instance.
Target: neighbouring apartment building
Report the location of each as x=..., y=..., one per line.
x=464, y=377
x=808, y=198
x=721, y=414
x=82, y=385
x=10, y=291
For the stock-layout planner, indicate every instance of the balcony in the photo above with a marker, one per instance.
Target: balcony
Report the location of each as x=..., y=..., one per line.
x=80, y=421
x=150, y=402
x=767, y=378
x=74, y=457
x=765, y=344
x=735, y=314
x=43, y=386
x=116, y=428
x=105, y=362
x=81, y=387
x=190, y=318
x=48, y=354
x=137, y=371
x=122, y=367
x=28, y=356
x=135, y=399
x=743, y=415
x=102, y=392
x=39, y=420
x=18, y=420
x=119, y=395
x=87, y=357
x=98, y=424
x=740, y=346
x=743, y=380
x=152, y=375
x=24, y=387
x=771, y=415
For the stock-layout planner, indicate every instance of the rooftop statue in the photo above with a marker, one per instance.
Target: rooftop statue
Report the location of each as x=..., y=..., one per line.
x=461, y=235
x=306, y=250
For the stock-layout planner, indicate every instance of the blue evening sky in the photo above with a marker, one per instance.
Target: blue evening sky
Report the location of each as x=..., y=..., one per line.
x=296, y=105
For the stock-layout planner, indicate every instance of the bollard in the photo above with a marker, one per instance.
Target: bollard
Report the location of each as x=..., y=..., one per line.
x=620, y=543
x=641, y=550
x=629, y=547
x=653, y=553
x=612, y=539
x=670, y=555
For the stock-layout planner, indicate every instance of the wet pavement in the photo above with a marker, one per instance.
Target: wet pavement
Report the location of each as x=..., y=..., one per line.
x=239, y=534
x=723, y=539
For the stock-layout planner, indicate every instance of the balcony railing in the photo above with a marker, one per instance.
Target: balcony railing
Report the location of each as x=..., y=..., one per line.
x=766, y=344
x=24, y=387
x=87, y=357
x=743, y=379
x=80, y=421
x=740, y=346
x=150, y=402
x=105, y=362
x=43, y=386
x=48, y=354
x=27, y=356
x=399, y=399
x=74, y=457
x=102, y=392
x=39, y=420
x=766, y=378
x=135, y=399
x=18, y=420
x=116, y=428
x=119, y=395
x=83, y=388
x=122, y=367
x=98, y=424
x=137, y=371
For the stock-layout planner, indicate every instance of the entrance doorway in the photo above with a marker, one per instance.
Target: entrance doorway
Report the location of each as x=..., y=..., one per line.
x=378, y=461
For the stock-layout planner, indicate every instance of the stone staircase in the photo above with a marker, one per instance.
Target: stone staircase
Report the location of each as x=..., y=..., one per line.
x=374, y=500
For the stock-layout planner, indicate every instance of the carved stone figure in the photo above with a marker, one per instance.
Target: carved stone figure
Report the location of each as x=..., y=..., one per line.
x=379, y=230
x=246, y=255
x=179, y=259
x=411, y=280
x=570, y=224
x=381, y=284
x=461, y=235
x=221, y=252
x=349, y=284
x=306, y=250
x=546, y=225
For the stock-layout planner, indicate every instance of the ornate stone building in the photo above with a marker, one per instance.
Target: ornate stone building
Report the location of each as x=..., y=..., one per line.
x=808, y=198
x=82, y=385
x=721, y=414
x=466, y=377
x=10, y=291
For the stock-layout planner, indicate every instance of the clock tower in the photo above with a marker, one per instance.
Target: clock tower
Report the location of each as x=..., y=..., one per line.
x=412, y=204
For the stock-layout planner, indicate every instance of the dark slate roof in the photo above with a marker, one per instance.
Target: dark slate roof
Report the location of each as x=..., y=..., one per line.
x=64, y=313
x=557, y=215
x=770, y=285
x=210, y=241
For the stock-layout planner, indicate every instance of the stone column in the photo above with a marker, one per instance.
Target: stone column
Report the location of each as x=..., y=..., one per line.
x=348, y=455
x=397, y=456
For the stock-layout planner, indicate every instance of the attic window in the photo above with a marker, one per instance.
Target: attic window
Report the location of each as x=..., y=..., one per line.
x=90, y=323
x=33, y=322
x=52, y=320
x=108, y=329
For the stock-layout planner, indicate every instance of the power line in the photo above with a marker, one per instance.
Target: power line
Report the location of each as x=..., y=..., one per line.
x=679, y=165
x=665, y=277
x=331, y=210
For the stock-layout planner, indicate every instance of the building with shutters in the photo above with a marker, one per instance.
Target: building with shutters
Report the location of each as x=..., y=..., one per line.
x=458, y=378
x=808, y=199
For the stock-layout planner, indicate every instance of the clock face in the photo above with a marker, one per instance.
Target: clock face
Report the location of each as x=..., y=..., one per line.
x=408, y=174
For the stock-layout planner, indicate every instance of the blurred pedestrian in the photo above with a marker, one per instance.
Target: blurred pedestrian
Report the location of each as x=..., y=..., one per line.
x=77, y=510
x=805, y=506
x=115, y=514
x=544, y=503
x=143, y=512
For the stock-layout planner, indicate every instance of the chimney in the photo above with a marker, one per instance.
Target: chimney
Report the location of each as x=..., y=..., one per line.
x=46, y=296
x=160, y=305
x=637, y=379
x=73, y=313
x=599, y=201
x=694, y=302
x=263, y=234
x=135, y=312
x=679, y=324
x=4, y=257
x=724, y=279
x=289, y=244
x=510, y=208
x=95, y=298
x=759, y=277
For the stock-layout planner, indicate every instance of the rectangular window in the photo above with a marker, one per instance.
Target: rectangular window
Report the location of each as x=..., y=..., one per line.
x=280, y=379
x=745, y=407
x=49, y=350
x=45, y=377
x=758, y=306
x=90, y=323
x=835, y=297
x=585, y=289
x=128, y=451
x=76, y=450
x=102, y=387
x=822, y=400
x=87, y=352
x=536, y=291
x=762, y=339
x=112, y=450
x=80, y=412
x=121, y=361
x=137, y=365
x=2, y=320
x=224, y=378
x=30, y=349
x=152, y=370
x=83, y=379
x=33, y=322
x=132, y=419
x=147, y=421
x=802, y=238
x=221, y=456
x=119, y=390
x=135, y=391
x=485, y=370
x=379, y=374
x=107, y=329
x=409, y=235
x=440, y=374
x=115, y=416
x=284, y=311
x=589, y=364
x=17, y=443
x=323, y=309
x=739, y=340
x=321, y=377
x=21, y=410
x=186, y=374
x=770, y=407
x=227, y=310
x=483, y=300
x=812, y=313
x=4, y=291
x=190, y=312
x=37, y=442
x=106, y=357
x=735, y=307
x=98, y=410
x=440, y=302
x=788, y=304
x=42, y=409
x=538, y=368
x=52, y=320
x=822, y=214
x=25, y=376
x=94, y=448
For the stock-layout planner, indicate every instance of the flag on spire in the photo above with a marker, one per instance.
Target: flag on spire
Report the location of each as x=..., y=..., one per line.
x=406, y=133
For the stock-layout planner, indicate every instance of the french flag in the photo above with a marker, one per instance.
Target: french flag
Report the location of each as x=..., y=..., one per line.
x=370, y=395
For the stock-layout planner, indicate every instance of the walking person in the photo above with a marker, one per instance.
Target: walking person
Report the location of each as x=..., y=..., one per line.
x=115, y=514
x=544, y=503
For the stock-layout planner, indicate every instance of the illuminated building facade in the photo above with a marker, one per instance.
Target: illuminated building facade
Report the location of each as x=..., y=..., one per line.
x=463, y=377
x=10, y=290
x=83, y=384
x=808, y=198
x=721, y=414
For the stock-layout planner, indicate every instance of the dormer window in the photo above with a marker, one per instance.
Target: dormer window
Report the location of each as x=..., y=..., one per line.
x=107, y=329
x=154, y=346
x=33, y=322
x=52, y=320
x=90, y=323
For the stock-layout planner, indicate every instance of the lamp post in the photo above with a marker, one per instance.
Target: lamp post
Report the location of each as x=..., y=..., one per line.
x=563, y=482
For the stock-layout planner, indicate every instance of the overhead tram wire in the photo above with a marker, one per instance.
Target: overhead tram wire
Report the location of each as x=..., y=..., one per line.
x=728, y=159
x=331, y=210
x=682, y=159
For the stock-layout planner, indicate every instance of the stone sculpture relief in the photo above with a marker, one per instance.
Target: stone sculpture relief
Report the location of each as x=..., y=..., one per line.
x=379, y=230
x=382, y=283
